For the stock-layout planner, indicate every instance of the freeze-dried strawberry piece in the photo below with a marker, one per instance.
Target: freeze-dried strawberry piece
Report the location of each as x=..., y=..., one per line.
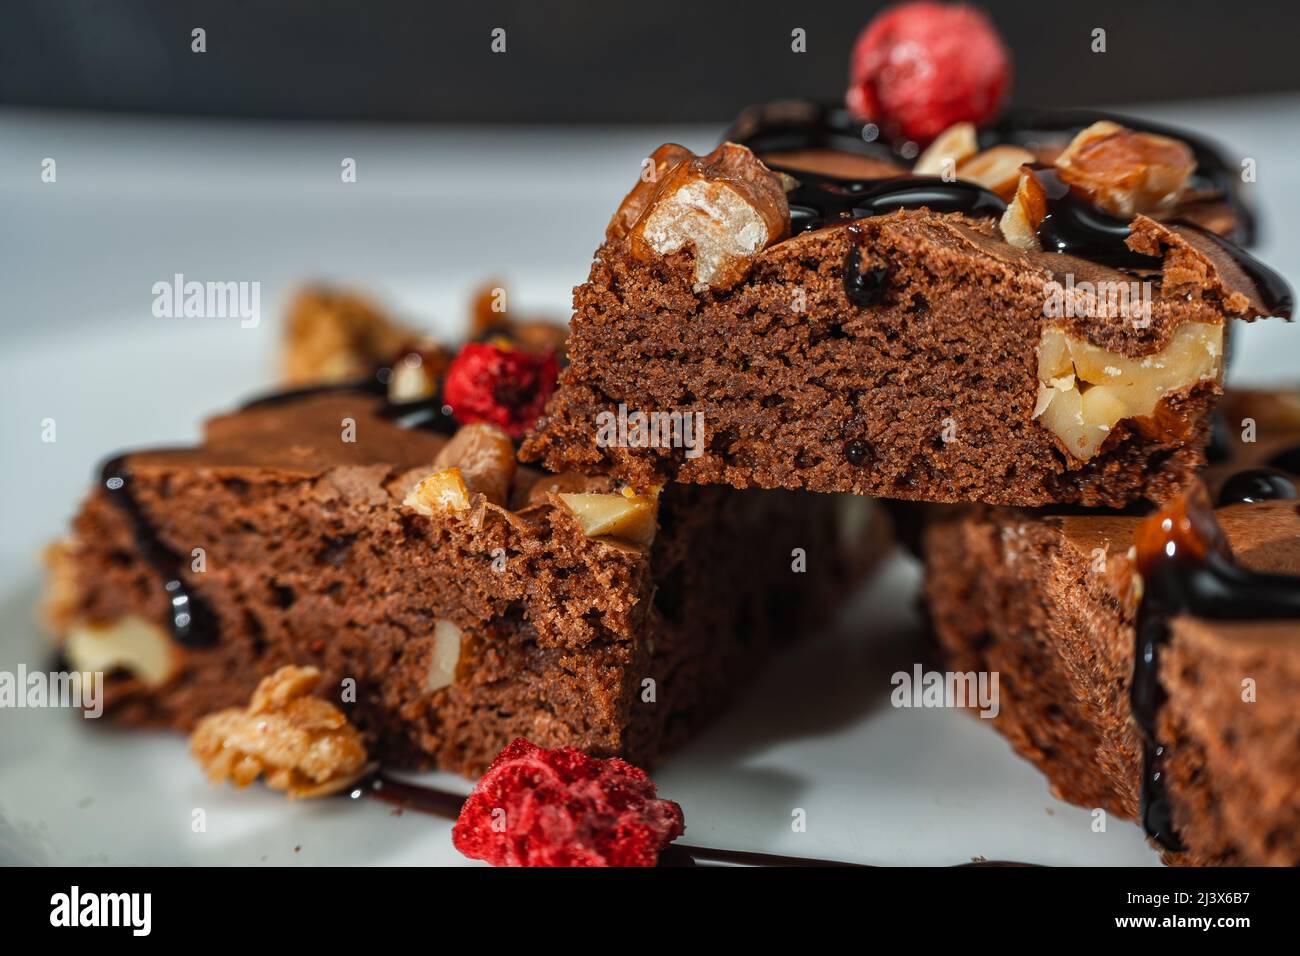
x=921, y=67
x=499, y=384
x=559, y=807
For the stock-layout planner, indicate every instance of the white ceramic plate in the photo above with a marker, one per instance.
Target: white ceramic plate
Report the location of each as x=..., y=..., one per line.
x=431, y=215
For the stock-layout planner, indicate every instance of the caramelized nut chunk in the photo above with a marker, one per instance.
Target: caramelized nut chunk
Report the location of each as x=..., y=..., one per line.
x=725, y=208
x=667, y=157
x=478, y=459
x=996, y=169
x=949, y=149
x=130, y=643
x=622, y=515
x=445, y=657
x=485, y=456
x=1085, y=390
x=1025, y=213
x=1126, y=172
x=301, y=744
x=441, y=491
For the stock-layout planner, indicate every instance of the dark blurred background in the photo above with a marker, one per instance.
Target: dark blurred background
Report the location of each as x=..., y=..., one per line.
x=589, y=62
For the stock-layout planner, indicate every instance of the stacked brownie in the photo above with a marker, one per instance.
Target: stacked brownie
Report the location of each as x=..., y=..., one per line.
x=902, y=336
x=451, y=599
x=947, y=329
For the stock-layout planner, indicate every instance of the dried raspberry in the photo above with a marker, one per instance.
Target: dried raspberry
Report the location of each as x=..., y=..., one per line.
x=920, y=67
x=500, y=385
x=537, y=807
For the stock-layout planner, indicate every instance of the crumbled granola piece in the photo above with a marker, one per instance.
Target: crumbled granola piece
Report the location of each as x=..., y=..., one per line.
x=336, y=336
x=300, y=744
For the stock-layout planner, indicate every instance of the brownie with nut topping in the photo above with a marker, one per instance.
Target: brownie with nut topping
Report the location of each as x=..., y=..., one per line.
x=1034, y=313
x=1149, y=665
x=451, y=600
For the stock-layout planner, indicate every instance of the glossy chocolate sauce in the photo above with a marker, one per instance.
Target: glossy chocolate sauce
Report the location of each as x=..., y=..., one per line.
x=1187, y=568
x=1076, y=227
x=1073, y=225
x=189, y=617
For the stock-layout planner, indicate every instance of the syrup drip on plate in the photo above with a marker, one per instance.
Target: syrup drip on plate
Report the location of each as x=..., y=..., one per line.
x=1187, y=568
x=440, y=803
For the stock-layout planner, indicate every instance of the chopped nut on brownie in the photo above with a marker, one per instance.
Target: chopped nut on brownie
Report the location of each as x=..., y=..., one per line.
x=725, y=207
x=1025, y=213
x=662, y=160
x=996, y=168
x=301, y=744
x=443, y=490
x=130, y=643
x=622, y=515
x=1126, y=172
x=949, y=148
x=1085, y=390
x=485, y=456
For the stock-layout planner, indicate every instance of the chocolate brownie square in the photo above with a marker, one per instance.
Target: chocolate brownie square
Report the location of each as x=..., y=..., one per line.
x=451, y=600
x=1043, y=326
x=1148, y=666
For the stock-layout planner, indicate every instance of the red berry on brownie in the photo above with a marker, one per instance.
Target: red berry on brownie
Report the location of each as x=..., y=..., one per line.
x=559, y=807
x=499, y=384
x=921, y=67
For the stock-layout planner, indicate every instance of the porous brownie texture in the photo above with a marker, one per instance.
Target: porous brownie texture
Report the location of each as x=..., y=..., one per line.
x=1050, y=603
x=313, y=559
x=928, y=392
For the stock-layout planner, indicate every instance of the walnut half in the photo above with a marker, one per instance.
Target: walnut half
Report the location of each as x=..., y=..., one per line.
x=1085, y=390
x=725, y=207
x=301, y=744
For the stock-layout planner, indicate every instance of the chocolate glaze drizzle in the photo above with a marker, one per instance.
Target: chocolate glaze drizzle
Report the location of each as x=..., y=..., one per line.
x=430, y=412
x=1187, y=568
x=1076, y=227
x=821, y=200
x=1073, y=225
x=192, y=621
x=440, y=803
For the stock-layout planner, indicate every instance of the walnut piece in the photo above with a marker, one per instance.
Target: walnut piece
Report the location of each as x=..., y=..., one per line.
x=941, y=157
x=445, y=657
x=1085, y=390
x=130, y=643
x=334, y=336
x=996, y=169
x=1126, y=172
x=441, y=491
x=665, y=158
x=1025, y=213
x=417, y=370
x=725, y=207
x=479, y=459
x=300, y=744
x=622, y=515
